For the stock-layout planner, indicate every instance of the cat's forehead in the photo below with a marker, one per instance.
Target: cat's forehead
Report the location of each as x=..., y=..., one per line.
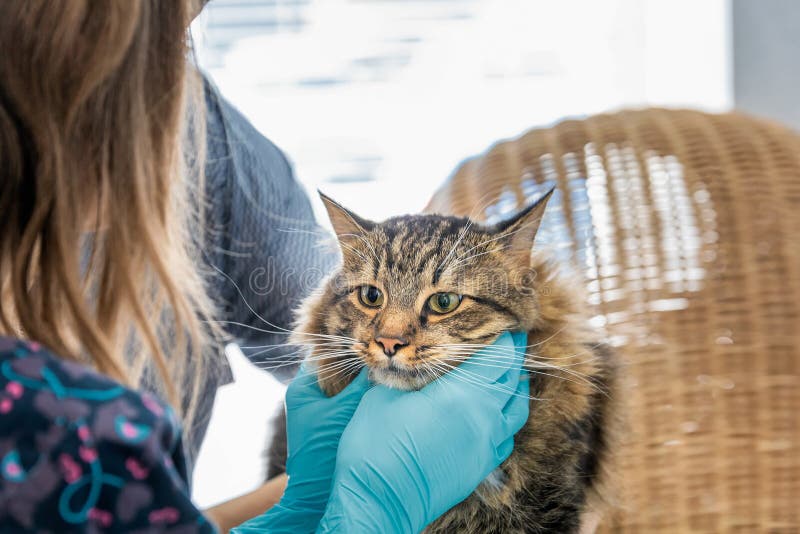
x=418, y=236
x=437, y=227
x=411, y=252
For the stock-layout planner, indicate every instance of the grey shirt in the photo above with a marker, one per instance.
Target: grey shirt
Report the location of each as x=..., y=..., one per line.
x=260, y=236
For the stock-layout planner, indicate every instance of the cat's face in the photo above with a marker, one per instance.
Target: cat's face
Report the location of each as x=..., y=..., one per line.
x=415, y=295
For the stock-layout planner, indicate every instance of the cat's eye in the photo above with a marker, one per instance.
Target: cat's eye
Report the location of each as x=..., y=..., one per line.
x=370, y=296
x=444, y=302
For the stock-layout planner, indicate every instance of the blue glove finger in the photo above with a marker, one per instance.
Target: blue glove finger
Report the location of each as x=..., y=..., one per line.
x=516, y=410
x=305, y=383
x=314, y=425
x=357, y=387
x=520, y=341
x=504, y=450
x=491, y=362
x=307, y=373
x=510, y=379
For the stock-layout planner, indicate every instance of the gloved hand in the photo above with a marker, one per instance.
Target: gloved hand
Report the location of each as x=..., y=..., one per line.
x=314, y=424
x=408, y=457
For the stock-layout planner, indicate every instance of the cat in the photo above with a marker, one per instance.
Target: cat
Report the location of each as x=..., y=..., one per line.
x=417, y=294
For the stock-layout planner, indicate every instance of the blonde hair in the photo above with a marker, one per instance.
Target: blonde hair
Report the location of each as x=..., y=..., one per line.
x=92, y=100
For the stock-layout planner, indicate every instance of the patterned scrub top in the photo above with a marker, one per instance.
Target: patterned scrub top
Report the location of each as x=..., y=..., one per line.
x=81, y=453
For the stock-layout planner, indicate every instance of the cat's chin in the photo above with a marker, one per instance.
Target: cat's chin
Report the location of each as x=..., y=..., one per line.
x=396, y=378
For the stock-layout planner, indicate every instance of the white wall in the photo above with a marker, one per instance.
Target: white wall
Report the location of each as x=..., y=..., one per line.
x=767, y=48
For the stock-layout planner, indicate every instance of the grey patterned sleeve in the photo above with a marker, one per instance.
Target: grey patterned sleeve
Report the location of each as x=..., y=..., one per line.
x=263, y=244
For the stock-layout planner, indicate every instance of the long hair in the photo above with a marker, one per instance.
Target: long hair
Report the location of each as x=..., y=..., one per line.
x=96, y=260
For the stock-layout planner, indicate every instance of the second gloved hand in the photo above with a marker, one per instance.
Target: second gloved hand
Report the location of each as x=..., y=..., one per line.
x=314, y=424
x=408, y=457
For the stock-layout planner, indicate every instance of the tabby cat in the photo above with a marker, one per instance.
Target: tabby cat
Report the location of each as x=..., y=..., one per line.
x=416, y=295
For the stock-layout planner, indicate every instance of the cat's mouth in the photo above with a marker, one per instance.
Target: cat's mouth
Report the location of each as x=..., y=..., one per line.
x=403, y=371
x=412, y=367
x=395, y=369
x=397, y=376
x=394, y=366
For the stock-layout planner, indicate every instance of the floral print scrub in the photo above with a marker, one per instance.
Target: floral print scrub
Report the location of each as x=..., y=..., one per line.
x=81, y=453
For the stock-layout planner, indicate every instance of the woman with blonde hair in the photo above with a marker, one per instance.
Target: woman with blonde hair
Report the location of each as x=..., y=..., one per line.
x=106, y=293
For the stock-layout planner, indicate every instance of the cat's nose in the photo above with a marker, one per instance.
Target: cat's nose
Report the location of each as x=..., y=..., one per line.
x=390, y=345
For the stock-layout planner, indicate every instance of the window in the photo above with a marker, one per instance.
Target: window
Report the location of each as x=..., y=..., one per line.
x=381, y=99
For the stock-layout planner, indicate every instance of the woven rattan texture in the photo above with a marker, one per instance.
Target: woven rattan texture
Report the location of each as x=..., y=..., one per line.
x=686, y=227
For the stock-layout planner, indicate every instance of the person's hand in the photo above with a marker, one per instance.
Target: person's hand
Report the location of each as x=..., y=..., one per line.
x=408, y=457
x=314, y=424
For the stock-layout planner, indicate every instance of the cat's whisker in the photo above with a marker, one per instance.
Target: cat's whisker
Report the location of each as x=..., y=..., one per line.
x=366, y=242
x=502, y=351
x=334, y=360
x=318, y=233
x=436, y=372
x=287, y=333
x=354, y=250
x=483, y=202
x=326, y=370
x=278, y=364
x=565, y=365
x=328, y=355
x=451, y=370
x=299, y=353
x=326, y=373
x=528, y=363
x=249, y=307
x=292, y=361
x=324, y=352
x=511, y=354
x=473, y=380
x=304, y=348
x=470, y=378
x=502, y=236
x=429, y=371
x=579, y=378
x=324, y=238
x=251, y=327
x=280, y=329
x=331, y=373
x=480, y=206
x=531, y=366
x=462, y=261
x=482, y=345
x=308, y=344
x=331, y=356
x=272, y=366
x=311, y=343
x=321, y=355
x=443, y=265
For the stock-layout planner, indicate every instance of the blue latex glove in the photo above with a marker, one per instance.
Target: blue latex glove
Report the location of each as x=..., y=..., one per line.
x=314, y=424
x=408, y=457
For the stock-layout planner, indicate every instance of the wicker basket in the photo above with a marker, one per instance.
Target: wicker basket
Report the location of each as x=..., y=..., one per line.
x=687, y=227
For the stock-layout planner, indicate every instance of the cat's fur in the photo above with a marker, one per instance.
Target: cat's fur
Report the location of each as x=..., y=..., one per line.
x=556, y=478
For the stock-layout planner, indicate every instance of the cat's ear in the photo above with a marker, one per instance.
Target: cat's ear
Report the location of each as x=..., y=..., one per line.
x=519, y=232
x=346, y=224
